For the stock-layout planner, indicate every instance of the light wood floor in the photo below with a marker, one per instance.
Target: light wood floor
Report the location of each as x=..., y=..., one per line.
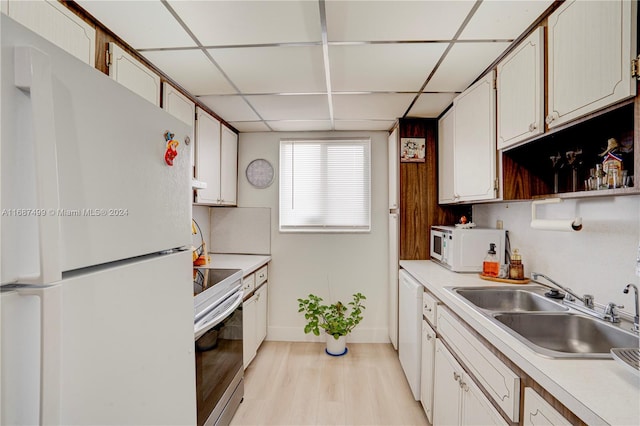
x=295, y=383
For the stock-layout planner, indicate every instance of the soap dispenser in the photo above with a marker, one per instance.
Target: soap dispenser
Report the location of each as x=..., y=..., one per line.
x=516, y=268
x=491, y=266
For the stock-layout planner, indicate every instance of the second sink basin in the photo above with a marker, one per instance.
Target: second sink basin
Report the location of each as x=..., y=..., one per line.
x=566, y=335
x=507, y=299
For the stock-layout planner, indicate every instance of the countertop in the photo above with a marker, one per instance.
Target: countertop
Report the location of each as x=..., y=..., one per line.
x=596, y=390
x=249, y=263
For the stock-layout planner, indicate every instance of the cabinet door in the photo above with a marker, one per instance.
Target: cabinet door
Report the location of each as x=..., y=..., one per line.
x=261, y=314
x=476, y=408
x=446, y=192
x=249, y=315
x=208, y=157
x=133, y=74
x=537, y=411
x=591, y=44
x=228, y=167
x=446, y=395
x=59, y=25
x=181, y=107
x=426, y=379
x=474, y=161
x=520, y=91
x=393, y=170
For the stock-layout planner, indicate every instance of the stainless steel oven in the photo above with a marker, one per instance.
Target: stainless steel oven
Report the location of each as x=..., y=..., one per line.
x=218, y=346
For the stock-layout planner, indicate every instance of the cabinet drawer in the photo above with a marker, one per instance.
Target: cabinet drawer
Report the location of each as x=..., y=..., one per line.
x=429, y=306
x=502, y=384
x=537, y=411
x=261, y=275
x=249, y=284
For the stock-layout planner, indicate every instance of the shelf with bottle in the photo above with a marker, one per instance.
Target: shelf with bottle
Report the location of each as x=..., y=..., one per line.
x=572, y=162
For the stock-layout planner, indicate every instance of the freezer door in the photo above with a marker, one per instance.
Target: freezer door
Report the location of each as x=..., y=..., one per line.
x=84, y=176
x=121, y=349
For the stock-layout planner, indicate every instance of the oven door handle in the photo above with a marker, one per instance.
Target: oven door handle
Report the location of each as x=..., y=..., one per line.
x=214, y=318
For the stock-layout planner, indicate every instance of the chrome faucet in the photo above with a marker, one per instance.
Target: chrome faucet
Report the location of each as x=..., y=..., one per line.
x=570, y=296
x=636, y=319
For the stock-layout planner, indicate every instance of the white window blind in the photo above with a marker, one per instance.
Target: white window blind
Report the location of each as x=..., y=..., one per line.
x=325, y=185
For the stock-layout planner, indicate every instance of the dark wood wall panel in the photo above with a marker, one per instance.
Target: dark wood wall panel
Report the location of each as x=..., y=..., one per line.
x=419, y=208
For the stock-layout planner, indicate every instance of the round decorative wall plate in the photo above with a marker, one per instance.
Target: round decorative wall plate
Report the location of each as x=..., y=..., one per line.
x=260, y=173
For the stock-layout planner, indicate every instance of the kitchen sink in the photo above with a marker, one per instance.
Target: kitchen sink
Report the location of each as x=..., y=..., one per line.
x=566, y=335
x=506, y=299
x=545, y=325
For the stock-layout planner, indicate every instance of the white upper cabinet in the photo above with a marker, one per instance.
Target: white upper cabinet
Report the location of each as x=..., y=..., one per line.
x=591, y=45
x=228, y=166
x=393, y=170
x=216, y=161
x=133, y=74
x=474, y=160
x=208, y=157
x=445, y=158
x=181, y=107
x=520, y=91
x=56, y=23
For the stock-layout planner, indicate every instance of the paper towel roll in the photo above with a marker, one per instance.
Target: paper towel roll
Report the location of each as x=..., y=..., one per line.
x=557, y=225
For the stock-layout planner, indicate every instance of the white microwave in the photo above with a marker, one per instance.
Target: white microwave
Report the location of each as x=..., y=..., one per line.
x=464, y=250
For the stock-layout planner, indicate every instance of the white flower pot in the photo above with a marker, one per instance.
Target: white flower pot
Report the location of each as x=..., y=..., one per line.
x=336, y=347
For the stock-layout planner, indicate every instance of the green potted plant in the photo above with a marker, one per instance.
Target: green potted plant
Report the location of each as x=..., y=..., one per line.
x=335, y=319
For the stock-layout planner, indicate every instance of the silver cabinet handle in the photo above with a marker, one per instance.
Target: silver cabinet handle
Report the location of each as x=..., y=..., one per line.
x=427, y=308
x=532, y=127
x=456, y=376
x=429, y=337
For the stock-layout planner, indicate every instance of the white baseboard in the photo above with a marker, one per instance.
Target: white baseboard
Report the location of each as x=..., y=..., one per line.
x=359, y=335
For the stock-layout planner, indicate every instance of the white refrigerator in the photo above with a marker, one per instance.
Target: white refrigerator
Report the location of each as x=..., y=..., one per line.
x=97, y=298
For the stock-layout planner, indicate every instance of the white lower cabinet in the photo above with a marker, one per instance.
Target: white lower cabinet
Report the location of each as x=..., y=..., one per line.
x=457, y=399
x=249, y=315
x=261, y=315
x=537, y=411
x=498, y=380
x=426, y=378
x=254, y=314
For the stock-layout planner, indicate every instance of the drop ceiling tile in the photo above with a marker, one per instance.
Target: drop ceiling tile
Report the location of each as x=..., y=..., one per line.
x=383, y=67
x=250, y=22
x=231, y=108
x=375, y=106
x=463, y=64
x=192, y=70
x=431, y=105
x=250, y=126
x=370, y=125
x=291, y=107
x=300, y=125
x=503, y=19
x=142, y=24
x=298, y=69
x=394, y=20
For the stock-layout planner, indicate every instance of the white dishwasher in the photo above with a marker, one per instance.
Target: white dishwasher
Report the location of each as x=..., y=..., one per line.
x=410, y=330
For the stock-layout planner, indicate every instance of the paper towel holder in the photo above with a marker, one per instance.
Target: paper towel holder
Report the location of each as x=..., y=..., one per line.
x=553, y=224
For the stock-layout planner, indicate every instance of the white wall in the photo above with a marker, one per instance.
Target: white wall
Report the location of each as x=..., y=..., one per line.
x=332, y=266
x=600, y=259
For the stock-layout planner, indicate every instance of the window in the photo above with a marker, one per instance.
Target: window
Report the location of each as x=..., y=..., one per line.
x=325, y=185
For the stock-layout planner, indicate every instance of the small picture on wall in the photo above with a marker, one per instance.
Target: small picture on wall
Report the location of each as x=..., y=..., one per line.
x=412, y=150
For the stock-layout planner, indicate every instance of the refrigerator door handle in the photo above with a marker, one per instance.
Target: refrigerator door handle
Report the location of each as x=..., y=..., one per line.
x=33, y=75
x=209, y=321
x=50, y=349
